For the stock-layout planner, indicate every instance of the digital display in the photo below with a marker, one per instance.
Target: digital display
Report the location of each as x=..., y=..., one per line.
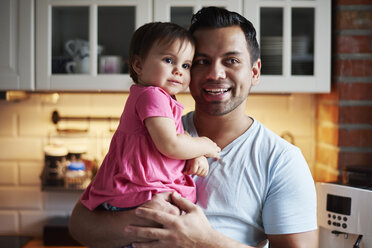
x=338, y=204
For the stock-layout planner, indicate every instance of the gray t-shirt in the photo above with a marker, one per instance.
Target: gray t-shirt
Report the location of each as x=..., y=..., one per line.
x=260, y=185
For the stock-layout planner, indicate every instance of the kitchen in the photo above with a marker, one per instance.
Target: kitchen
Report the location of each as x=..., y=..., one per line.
x=318, y=123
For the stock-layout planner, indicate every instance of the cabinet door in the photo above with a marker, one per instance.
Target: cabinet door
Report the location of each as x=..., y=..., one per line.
x=180, y=11
x=83, y=44
x=16, y=45
x=295, y=42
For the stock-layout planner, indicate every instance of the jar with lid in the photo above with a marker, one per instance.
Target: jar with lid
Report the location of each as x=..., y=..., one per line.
x=75, y=177
x=54, y=162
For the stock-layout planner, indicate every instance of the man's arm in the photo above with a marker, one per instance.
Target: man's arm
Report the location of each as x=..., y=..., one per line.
x=101, y=228
x=193, y=230
x=189, y=230
x=295, y=240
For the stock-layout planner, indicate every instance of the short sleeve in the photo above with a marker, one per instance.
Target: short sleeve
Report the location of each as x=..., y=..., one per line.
x=290, y=206
x=153, y=102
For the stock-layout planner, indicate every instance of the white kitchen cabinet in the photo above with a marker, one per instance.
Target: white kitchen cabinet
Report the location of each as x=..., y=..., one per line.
x=295, y=40
x=16, y=45
x=294, y=36
x=82, y=45
x=180, y=11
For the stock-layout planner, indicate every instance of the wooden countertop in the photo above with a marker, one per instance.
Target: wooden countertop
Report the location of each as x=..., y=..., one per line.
x=38, y=243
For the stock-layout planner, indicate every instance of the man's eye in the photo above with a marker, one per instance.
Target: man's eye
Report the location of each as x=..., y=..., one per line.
x=200, y=62
x=232, y=61
x=186, y=66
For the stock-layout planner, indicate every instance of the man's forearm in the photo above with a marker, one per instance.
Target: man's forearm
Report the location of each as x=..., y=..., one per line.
x=100, y=228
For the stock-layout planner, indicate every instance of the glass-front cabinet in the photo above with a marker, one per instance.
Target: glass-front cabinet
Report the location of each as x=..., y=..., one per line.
x=295, y=42
x=180, y=11
x=83, y=44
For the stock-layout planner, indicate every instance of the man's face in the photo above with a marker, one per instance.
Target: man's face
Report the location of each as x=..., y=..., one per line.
x=222, y=75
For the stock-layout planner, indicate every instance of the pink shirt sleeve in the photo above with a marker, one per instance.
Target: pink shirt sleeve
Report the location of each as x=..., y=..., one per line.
x=154, y=102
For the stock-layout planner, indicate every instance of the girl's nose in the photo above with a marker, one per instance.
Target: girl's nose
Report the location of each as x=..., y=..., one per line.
x=177, y=72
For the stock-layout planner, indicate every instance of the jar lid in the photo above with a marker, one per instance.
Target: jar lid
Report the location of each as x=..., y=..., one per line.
x=78, y=165
x=55, y=150
x=77, y=149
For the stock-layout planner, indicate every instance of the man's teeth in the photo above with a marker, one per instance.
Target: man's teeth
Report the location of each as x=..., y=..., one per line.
x=216, y=91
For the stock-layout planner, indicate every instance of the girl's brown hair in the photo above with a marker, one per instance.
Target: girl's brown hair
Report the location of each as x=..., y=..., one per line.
x=154, y=33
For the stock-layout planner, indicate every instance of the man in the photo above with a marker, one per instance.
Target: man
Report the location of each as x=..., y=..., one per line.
x=260, y=189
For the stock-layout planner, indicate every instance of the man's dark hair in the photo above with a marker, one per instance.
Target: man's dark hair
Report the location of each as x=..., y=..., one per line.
x=150, y=34
x=214, y=17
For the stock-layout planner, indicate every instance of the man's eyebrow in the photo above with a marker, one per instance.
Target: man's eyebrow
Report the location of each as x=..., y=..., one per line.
x=232, y=53
x=200, y=55
x=223, y=55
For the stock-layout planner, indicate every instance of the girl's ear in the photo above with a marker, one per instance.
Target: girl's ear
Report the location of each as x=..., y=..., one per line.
x=137, y=64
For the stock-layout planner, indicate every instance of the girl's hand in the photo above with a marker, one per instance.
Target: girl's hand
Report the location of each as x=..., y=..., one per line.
x=198, y=166
x=213, y=148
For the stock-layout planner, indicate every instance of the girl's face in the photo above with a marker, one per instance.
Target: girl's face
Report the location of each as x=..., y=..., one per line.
x=166, y=66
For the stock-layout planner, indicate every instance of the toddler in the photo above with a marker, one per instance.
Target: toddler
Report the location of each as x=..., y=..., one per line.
x=148, y=150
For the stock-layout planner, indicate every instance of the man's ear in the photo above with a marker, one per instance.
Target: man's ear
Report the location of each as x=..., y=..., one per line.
x=137, y=64
x=256, y=72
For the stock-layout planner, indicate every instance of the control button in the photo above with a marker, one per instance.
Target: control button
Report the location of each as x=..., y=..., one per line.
x=339, y=217
x=345, y=218
x=329, y=222
x=329, y=215
x=334, y=217
x=338, y=224
x=334, y=223
x=344, y=225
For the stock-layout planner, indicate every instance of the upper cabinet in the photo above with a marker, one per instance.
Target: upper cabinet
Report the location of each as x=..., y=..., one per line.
x=295, y=42
x=83, y=44
x=16, y=45
x=180, y=11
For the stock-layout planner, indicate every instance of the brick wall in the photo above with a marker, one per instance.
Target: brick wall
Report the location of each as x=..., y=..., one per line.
x=344, y=117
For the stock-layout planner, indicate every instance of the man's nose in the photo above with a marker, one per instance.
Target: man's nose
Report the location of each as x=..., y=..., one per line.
x=216, y=72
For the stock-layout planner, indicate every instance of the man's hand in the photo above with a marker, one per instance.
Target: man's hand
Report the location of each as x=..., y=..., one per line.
x=189, y=230
x=162, y=202
x=197, y=166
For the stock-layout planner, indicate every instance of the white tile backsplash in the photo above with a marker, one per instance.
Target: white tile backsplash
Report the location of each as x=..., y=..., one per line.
x=21, y=148
x=9, y=222
x=29, y=173
x=32, y=222
x=8, y=124
x=62, y=201
x=34, y=122
x=20, y=198
x=8, y=173
x=26, y=127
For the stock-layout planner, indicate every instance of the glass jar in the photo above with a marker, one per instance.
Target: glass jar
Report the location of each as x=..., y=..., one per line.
x=75, y=176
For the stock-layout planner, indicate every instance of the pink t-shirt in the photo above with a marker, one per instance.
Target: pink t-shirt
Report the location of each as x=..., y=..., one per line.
x=133, y=169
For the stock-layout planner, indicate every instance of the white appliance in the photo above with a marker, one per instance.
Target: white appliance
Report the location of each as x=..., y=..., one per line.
x=344, y=216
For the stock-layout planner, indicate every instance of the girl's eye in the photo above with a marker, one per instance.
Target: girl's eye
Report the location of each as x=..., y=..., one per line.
x=168, y=60
x=186, y=66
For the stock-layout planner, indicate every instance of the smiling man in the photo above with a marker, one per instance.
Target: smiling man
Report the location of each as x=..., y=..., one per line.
x=259, y=190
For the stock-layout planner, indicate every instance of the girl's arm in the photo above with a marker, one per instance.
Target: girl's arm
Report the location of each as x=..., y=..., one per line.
x=178, y=146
